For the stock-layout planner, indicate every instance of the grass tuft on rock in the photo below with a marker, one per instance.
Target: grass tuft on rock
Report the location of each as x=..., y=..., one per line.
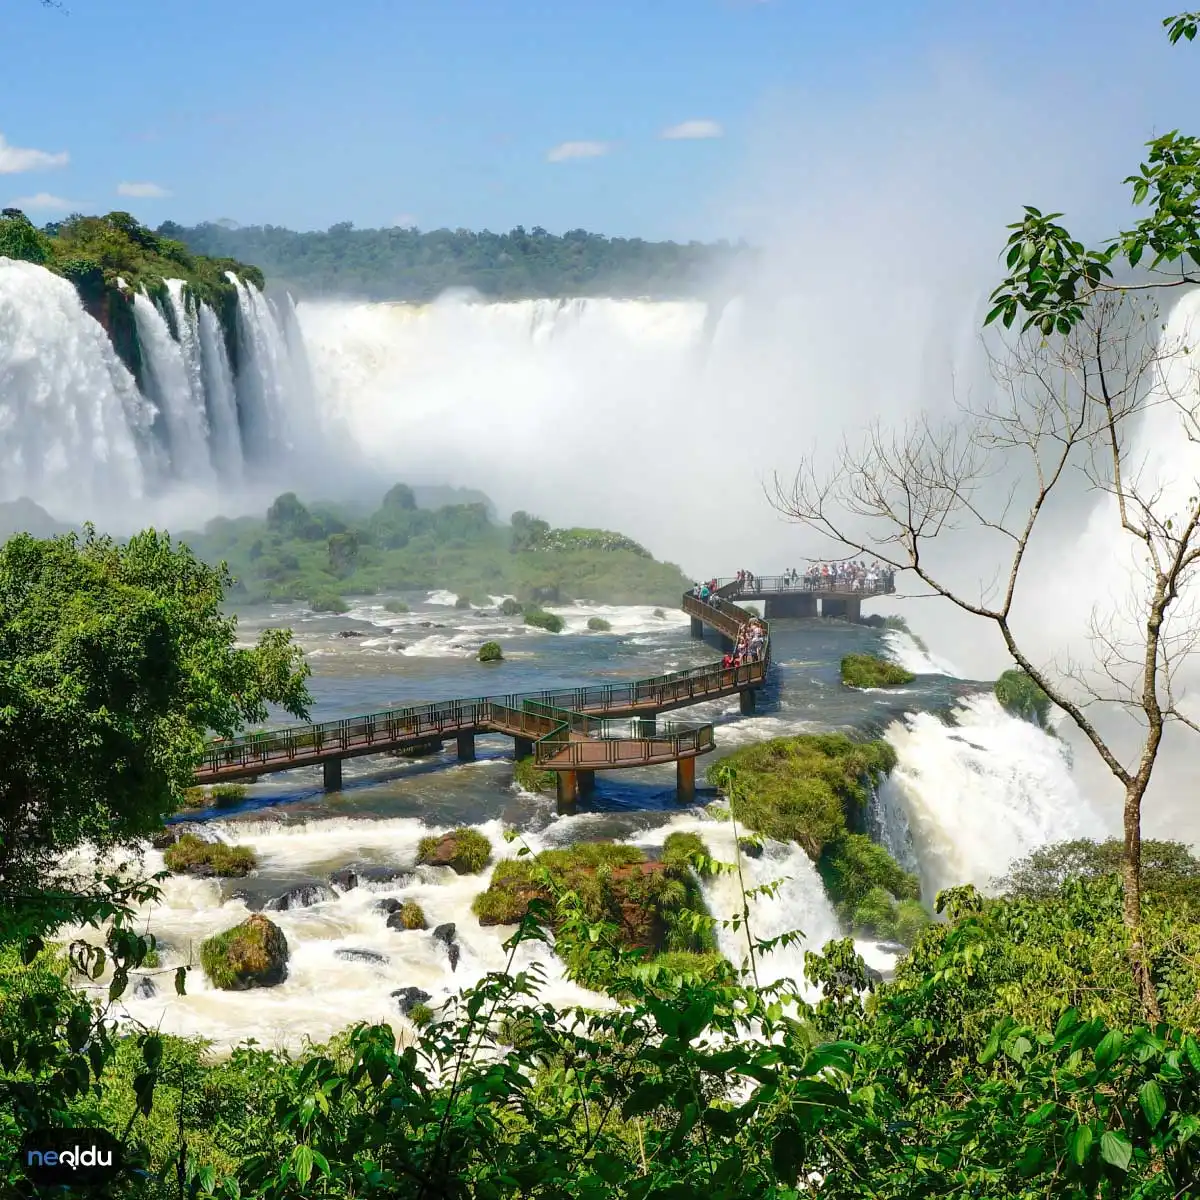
x=490, y=652
x=252, y=954
x=510, y=607
x=328, y=602
x=871, y=671
x=224, y=795
x=599, y=625
x=412, y=915
x=464, y=850
x=420, y=1015
x=192, y=856
x=395, y=606
x=1020, y=696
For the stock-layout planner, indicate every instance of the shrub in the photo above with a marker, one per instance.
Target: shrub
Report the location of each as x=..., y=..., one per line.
x=531, y=778
x=491, y=652
x=911, y=919
x=420, y=1015
x=465, y=850
x=224, y=794
x=599, y=625
x=809, y=789
x=194, y=797
x=511, y=607
x=252, y=954
x=870, y=671
x=328, y=602
x=551, y=622
x=192, y=856
x=395, y=606
x=682, y=850
x=1022, y=697
x=412, y=915
x=462, y=602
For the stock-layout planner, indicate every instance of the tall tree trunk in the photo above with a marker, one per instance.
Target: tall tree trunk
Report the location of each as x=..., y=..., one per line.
x=1131, y=864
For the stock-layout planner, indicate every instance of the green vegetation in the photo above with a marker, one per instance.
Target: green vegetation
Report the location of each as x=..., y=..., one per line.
x=1020, y=695
x=403, y=264
x=252, y=954
x=412, y=915
x=465, y=850
x=551, y=622
x=420, y=1015
x=870, y=671
x=531, y=778
x=227, y=794
x=491, y=652
x=189, y=855
x=396, y=606
x=300, y=552
x=653, y=906
x=510, y=607
x=599, y=625
x=871, y=893
x=94, y=252
x=1170, y=871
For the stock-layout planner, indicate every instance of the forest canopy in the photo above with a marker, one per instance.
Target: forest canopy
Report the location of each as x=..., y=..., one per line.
x=408, y=264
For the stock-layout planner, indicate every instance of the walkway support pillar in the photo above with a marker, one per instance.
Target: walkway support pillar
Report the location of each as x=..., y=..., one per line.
x=332, y=771
x=685, y=780
x=466, y=747
x=833, y=606
x=522, y=747
x=587, y=782
x=568, y=791
x=853, y=608
x=746, y=701
x=697, y=628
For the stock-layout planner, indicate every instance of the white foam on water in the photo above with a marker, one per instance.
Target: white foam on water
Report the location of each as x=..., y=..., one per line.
x=982, y=792
x=442, y=597
x=625, y=619
x=904, y=650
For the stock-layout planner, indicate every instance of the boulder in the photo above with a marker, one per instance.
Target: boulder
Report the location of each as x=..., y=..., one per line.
x=345, y=879
x=144, y=989
x=408, y=998
x=410, y=915
x=891, y=947
x=388, y=905
x=349, y=633
x=252, y=954
x=445, y=935
x=304, y=896
x=355, y=954
x=750, y=848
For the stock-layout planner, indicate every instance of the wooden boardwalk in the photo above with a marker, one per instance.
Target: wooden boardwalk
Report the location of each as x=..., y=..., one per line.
x=575, y=732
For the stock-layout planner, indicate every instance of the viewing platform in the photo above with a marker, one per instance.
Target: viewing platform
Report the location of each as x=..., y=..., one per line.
x=783, y=596
x=573, y=733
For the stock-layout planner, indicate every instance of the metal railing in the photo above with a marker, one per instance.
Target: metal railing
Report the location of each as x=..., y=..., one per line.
x=804, y=583
x=556, y=720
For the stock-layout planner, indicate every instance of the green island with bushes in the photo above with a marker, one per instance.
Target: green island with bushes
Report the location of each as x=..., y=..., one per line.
x=871, y=671
x=813, y=789
x=100, y=254
x=1021, y=696
x=490, y=652
x=191, y=855
x=321, y=553
x=252, y=954
x=466, y=851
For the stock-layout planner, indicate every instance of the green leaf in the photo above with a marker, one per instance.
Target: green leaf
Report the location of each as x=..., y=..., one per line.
x=1080, y=1144
x=1115, y=1149
x=1192, y=1049
x=302, y=1163
x=1153, y=1103
x=1109, y=1048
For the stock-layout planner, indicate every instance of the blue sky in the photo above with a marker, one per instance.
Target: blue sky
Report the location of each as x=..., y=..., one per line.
x=449, y=112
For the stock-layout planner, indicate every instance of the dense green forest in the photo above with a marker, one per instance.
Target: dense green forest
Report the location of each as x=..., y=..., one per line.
x=323, y=552
x=406, y=264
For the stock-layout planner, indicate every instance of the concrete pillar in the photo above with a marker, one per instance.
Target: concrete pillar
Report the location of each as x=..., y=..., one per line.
x=466, y=747
x=522, y=747
x=853, y=608
x=587, y=782
x=746, y=701
x=833, y=606
x=568, y=791
x=799, y=604
x=332, y=768
x=645, y=727
x=685, y=780
x=697, y=628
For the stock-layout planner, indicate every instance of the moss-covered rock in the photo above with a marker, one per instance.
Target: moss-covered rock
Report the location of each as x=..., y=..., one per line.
x=599, y=625
x=866, y=886
x=191, y=855
x=809, y=789
x=531, y=778
x=410, y=915
x=540, y=619
x=510, y=607
x=420, y=1015
x=651, y=905
x=490, y=652
x=252, y=954
x=328, y=602
x=225, y=795
x=395, y=606
x=464, y=850
x=870, y=671
x=1022, y=697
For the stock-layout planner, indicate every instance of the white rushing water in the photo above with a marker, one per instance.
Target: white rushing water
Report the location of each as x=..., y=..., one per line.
x=73, y=426
x=220, y=398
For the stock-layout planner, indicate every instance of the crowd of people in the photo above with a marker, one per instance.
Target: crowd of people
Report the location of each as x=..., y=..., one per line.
x=749, y=645
x=861, y=576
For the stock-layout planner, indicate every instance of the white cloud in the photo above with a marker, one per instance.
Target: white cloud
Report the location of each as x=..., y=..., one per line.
x=690, y=130
x=15, y=159
x=568, y=150
x=404, y=221
x=44, y=201
x=143, y=191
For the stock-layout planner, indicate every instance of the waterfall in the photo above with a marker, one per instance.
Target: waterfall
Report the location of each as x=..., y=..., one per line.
x=263, y=376
x=225, y=437
x=169, y=382
x=74, y=431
